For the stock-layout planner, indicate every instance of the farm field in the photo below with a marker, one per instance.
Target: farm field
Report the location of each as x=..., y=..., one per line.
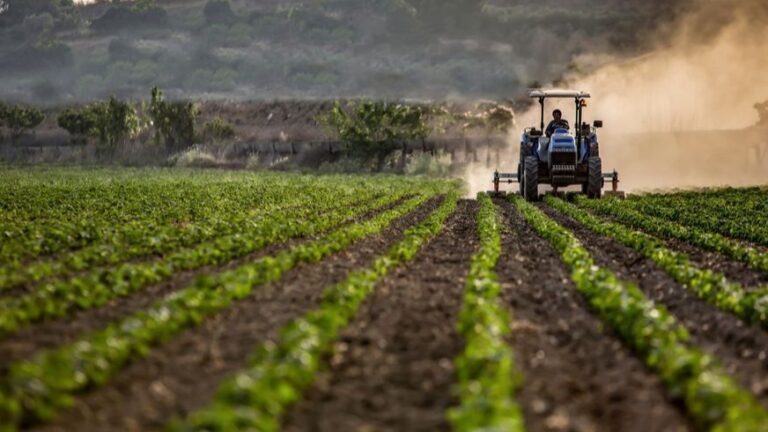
x=213, y=300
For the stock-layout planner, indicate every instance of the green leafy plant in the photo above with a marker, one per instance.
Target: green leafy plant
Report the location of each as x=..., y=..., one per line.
x=80, y=123
x=666, y=228
x=486, y=371
x=751, y=306
x=256, y=398
x=110, y=122
x=218, y=130
x=45, y=384
x=20, y=119
x=174, y=122
x=712, y=398
x=96, y=288
x=375, y=129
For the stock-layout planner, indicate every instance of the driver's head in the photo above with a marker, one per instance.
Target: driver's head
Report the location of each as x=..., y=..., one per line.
x=557, y=114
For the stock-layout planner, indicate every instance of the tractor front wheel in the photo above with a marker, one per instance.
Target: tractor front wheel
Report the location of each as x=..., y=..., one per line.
x=531, y=179
x=594, y=186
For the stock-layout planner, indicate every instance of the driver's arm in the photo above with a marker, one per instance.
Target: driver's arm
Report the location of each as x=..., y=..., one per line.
x=550, y=129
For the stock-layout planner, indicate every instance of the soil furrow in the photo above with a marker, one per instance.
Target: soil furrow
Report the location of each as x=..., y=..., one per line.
x=48, y=334
x=578, y=375
x=183, y=374
x=736, y=271
x=741, y=348
x=393, y=367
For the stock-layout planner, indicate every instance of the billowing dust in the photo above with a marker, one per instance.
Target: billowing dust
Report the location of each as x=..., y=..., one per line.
x=682, y=116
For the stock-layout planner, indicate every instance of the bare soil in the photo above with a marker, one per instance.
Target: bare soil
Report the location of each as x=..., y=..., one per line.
x=393, y=367
x=578, y=375
x=734, y=270
x=49, y=334
x=183, y=374
x=741, y=348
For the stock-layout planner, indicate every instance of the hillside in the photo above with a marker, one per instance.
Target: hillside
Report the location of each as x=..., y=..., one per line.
x=55, y=52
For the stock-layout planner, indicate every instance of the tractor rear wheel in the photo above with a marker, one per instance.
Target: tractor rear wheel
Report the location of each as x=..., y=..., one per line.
x=520, y=178
x=531, y=179
x=594, y=186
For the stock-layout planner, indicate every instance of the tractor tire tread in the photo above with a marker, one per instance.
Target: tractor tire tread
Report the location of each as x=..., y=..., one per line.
x=531, y=179
x=595, y=181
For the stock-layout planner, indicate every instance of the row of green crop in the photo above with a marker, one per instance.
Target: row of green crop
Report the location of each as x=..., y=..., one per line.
x=31, y=194
x=750, y=202
x=166, y=239
x=37, y=388
x=751, y=306
x=486, y=371
x=134, y=206
x=149, y=210
x=59, y=298
x=713, y=400
x=256, y=398
x=729, y=220
x=666, y=228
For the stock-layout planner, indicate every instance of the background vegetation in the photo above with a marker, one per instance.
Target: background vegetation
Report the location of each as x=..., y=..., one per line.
x=54, y=51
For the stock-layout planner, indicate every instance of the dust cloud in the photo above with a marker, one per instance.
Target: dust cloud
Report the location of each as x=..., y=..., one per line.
x=681, y=116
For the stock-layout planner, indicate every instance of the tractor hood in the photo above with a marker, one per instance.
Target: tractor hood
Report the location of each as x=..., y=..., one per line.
x=562, y=141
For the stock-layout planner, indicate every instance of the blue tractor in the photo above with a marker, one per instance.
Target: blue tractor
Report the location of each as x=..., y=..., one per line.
x=560, y=156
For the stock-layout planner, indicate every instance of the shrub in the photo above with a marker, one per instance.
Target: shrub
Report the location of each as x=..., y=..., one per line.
x=19, y=119
x=218, y=130
x=36, y=26
x=428, y=165
x=223, y=79
x=3, y=110
x=110, y=121
x=195, y=156
x=142, y=14
x=174, y=122
x=115, y=120
x=43, y=54
x=78, y=122
x=218, y=11
x=375, y=129
x=55, y=53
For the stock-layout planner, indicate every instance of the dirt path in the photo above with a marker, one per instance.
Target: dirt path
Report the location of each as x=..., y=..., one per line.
x=578, y=376
x=393, y=369
x=49, y=334
x=742, y=349
x=183, y=374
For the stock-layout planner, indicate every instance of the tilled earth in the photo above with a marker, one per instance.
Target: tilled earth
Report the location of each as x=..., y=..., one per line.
x=393, y=366
x=55, y=332
x=578, y=375
x=742, y=349
x=182, y=375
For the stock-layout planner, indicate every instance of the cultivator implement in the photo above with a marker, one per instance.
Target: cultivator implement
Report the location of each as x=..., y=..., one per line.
x=560, y=156
x=510, y=178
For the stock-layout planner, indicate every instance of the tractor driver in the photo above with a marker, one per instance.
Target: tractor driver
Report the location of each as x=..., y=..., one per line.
x=557, y=123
